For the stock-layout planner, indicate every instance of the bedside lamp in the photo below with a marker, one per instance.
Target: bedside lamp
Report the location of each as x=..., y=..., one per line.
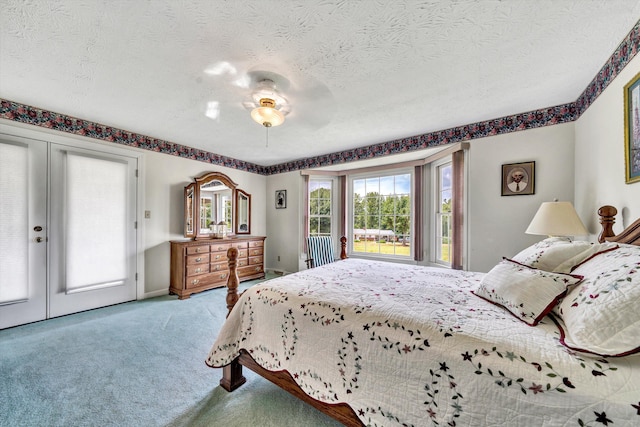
x=557, y=219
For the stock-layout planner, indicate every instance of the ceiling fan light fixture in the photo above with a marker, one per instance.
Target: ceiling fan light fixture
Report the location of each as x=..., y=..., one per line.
x=266, y=114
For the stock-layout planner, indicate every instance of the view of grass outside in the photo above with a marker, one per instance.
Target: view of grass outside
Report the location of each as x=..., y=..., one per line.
x=391, y=248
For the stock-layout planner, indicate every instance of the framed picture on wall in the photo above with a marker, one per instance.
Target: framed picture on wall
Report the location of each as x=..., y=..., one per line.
x=632, y=130
x=518, y=179
x=281, y=199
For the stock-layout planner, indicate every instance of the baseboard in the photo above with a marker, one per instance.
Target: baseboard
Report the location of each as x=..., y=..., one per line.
x=277, y=272
x=154, y=294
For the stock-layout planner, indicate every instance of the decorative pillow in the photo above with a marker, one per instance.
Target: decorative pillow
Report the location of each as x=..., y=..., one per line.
x=528, y=293
x=602, y=314
x=559, y=254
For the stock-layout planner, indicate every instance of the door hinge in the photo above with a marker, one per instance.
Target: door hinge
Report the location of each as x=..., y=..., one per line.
x=135, y=225
x=136, y=277
x=136, y=173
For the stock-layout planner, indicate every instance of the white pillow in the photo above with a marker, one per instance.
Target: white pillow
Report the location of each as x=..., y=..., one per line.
x=528, y=293
x=559, y=254
x=602, y=314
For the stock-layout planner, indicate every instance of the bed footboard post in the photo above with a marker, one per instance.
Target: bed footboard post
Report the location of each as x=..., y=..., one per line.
x=233, y=281
x=343, y=247
x=607, y=219
x=232, y=377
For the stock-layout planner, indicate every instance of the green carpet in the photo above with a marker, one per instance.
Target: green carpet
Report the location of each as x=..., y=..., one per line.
x=134, y=364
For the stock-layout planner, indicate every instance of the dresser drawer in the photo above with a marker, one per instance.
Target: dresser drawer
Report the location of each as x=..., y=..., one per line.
x=240, y=245
x=242, y=262
x=256, y=243
x=220, y=247
x=195, y=269
x=218, y=266
x=253, y=260
x=202, y=249
x=197, y=259
x=218, y=256
x=250, y=270
x=255, y=251
x=242, y=253
x=207, y=279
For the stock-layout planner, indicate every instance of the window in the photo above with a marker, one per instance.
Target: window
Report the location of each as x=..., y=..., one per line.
x=381, y=215
x=320, y=201
x=443, y=242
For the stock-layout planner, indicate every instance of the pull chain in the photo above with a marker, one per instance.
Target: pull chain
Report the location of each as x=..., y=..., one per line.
x=267, y=136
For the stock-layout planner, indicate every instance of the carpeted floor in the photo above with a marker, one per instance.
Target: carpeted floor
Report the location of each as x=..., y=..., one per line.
x=134, y=364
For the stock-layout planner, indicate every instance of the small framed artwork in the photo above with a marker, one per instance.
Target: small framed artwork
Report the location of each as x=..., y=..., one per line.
x=632, y=130
x=518, y=179
x=281, y=199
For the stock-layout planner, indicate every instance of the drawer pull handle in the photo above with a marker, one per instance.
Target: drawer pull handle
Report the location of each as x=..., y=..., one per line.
x=195, y=281
x=198, y=270
x=218, y=256
x=257, y=268
x=223, y=276
x=198, y=249
x=198, y=259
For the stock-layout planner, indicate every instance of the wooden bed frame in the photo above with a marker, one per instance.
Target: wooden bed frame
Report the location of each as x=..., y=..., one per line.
x=232, y=377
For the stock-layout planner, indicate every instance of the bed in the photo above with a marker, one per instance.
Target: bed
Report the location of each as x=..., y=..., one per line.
x=548, y=337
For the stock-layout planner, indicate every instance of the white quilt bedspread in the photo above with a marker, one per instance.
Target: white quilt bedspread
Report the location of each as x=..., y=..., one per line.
x=412, y=346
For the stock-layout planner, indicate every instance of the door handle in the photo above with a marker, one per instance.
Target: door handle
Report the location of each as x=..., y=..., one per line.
x=38, y=240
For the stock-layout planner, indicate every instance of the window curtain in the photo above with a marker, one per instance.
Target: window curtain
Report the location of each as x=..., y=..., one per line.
x=418, y=197
x=342, y=212
x=306, y=214
x=457, y=208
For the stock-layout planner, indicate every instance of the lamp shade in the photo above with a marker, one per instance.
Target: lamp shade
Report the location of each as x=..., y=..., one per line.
x=557, y=219
x=266, y=114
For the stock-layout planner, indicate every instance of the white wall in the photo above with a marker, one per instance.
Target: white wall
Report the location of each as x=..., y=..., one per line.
x=285, y=230
x=496, y=224
x=599, y=157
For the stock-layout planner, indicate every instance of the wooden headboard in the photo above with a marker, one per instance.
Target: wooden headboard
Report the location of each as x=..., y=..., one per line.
x=630, y=235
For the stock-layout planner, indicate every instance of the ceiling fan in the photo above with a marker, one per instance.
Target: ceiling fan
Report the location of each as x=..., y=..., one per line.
x=271, y=97
x=267, y=103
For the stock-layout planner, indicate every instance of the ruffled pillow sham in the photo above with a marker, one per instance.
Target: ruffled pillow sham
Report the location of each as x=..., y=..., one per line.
x=559, y=254
x=602, y=314
x=526, y=292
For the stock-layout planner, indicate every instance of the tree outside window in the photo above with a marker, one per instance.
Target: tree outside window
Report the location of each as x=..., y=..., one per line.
x=320, y=192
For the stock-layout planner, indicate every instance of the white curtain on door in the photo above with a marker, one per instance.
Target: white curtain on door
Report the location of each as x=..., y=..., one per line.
x=14, y=223
x=96, y=222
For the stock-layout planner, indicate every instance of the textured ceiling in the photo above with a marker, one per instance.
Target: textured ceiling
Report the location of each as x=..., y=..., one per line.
x=357, y=72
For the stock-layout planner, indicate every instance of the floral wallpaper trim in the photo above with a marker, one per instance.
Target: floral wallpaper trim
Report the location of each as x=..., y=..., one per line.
x=565, y=113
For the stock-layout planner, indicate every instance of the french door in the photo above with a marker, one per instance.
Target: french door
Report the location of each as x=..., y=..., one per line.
x=67, y=229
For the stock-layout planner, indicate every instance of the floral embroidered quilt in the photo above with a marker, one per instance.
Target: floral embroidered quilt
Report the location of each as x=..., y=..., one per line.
x=412, y=346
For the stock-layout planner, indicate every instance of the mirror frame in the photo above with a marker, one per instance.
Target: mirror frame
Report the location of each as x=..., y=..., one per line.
x=197, y=233
x=240, y=194
x=189, y=215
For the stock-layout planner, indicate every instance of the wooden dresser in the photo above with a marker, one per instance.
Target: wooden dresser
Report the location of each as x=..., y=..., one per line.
x=198, y=265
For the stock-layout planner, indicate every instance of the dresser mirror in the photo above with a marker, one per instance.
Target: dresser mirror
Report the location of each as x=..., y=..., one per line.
x=209, y=203
x=243, y=212
x=189, y=195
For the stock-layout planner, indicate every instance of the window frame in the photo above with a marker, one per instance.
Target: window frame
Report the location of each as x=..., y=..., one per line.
x=434, y=232
x=333, y=216
x=392, y=171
